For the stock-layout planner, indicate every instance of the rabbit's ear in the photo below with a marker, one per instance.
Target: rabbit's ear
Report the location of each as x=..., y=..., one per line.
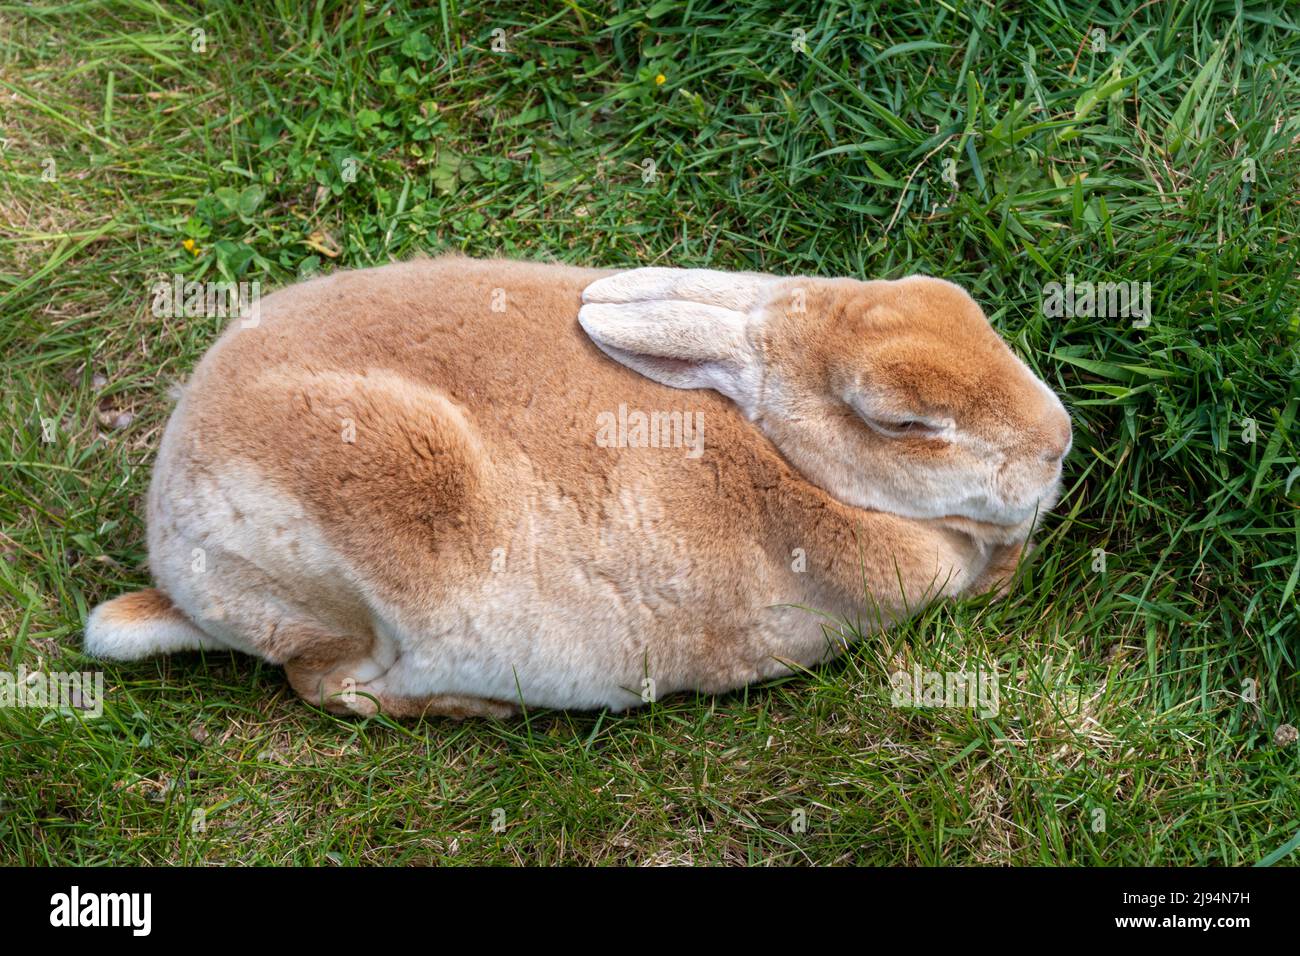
x=729, y=290
x=681, y=327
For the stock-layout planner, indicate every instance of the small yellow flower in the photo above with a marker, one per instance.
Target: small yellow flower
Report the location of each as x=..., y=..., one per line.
x=192, y=246
x=660, y=80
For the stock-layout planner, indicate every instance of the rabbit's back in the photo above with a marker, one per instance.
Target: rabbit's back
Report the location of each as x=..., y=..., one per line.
x=413, y=454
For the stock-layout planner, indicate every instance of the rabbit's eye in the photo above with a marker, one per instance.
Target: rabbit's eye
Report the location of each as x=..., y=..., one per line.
x=908, y=427
x=884, y=422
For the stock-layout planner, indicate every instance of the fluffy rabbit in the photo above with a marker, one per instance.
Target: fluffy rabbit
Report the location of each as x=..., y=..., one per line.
x=455, y=486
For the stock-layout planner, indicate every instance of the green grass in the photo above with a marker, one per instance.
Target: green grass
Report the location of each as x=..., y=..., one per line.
x=1150, y=692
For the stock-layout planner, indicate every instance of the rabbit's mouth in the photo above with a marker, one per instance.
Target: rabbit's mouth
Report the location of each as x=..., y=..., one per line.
x=989, y=532
x=1005, y=523
x=998, y=518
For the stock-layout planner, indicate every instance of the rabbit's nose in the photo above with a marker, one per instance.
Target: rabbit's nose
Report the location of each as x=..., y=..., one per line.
x=1057, y=437
x=1059, y=440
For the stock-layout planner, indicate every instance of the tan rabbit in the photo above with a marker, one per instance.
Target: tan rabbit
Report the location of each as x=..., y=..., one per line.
x=451, y=487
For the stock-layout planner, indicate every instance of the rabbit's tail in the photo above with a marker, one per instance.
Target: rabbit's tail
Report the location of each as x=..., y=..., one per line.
x=141, y=624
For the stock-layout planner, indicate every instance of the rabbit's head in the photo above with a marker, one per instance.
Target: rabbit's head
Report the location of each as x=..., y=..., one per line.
x=895, y=396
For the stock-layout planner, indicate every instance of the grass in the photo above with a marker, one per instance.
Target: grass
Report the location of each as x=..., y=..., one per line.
x=1139, y=703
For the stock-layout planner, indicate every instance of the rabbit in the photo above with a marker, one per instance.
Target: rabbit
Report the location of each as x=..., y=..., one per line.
x=461, y=487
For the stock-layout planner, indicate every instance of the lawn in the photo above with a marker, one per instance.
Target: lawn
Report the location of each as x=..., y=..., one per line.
x=1147, y=654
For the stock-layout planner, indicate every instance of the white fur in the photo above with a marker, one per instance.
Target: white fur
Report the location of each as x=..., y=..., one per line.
x=523, y=633
x=132, y=641
x=738, y=291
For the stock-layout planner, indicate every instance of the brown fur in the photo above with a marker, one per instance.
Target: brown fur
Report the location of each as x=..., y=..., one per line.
x=470, y=422
x=149, y=605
